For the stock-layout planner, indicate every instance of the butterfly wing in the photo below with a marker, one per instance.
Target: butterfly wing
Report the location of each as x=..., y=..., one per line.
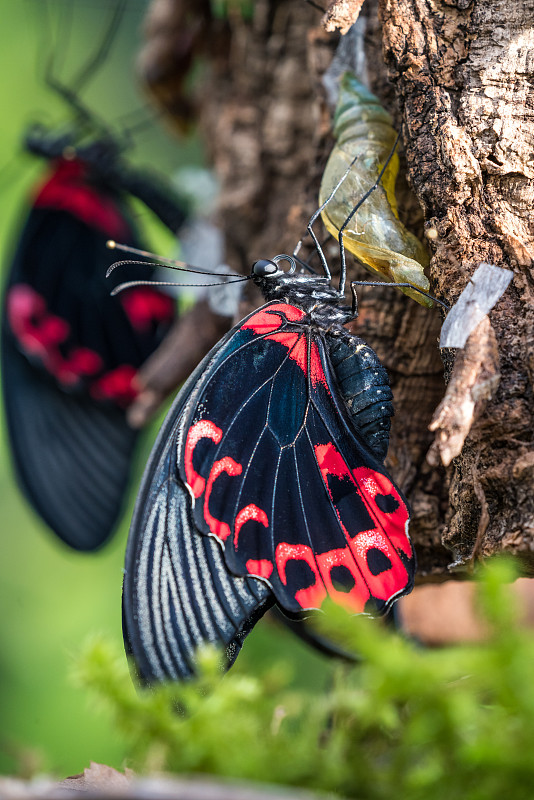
x=71, y=455
x=283, y=479
x=70, y=353
x=257, y=454
x=178, y=593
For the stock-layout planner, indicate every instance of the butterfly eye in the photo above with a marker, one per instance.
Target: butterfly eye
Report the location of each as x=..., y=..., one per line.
x=263, y=268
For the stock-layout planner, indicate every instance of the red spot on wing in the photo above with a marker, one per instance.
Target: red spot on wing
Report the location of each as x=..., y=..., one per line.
x=297, y=344
x=250, y=512
x=68, y=190
x=44, y=336
x=288, y=339
x=118, y=385
x=388, y=536
x=309, y=596
x=145, y=307
x=374, y=484
x=84, y=361
x=262, y=568
x=23, y=301
x=80, y=363
x=37, y=331
x=40, y=335
x=353, y=600
x=316, y=368
x=271, y=318
x=331, y=462
x=230, y=467
x=299, y=353
x=262, y=323
x=49, y=331
x=200, y=430
x=292, y=313
x=390, y=582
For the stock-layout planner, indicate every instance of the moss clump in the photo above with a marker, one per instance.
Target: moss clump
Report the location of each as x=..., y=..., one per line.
x=405, y=723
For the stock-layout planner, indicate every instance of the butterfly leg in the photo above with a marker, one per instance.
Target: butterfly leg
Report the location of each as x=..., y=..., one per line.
x=309, y=226
x=361, y=201
x=389, y=283
x=70, y=93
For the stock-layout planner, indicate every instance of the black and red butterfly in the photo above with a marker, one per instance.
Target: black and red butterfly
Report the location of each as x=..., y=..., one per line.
x=266, y=485
x=70, y=352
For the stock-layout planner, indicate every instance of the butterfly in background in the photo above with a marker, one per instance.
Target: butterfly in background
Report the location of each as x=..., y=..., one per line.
x=266, y=485
x=70, y=352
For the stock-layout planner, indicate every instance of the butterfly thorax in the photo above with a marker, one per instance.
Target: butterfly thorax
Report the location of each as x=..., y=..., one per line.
x=314, y=295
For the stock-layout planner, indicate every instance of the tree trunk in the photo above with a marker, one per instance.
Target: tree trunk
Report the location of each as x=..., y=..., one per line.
x=460, y=89
x=463, y=76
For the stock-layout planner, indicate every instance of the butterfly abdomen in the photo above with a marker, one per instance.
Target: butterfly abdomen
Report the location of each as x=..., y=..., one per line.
x=364, y=386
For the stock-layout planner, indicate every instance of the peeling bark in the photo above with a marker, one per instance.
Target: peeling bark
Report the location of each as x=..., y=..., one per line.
x=342, y=14
x=474, y=380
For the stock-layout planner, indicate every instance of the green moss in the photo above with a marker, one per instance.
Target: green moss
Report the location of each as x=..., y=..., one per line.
x=406, y=722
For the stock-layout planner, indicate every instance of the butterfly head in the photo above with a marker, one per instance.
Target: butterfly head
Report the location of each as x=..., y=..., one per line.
x=266, y=269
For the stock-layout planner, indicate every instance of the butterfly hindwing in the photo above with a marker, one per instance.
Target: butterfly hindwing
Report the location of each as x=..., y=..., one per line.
x=281, y=477
x=72, y=456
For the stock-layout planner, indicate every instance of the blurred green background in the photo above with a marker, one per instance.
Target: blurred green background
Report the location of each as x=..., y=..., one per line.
x=51, y=598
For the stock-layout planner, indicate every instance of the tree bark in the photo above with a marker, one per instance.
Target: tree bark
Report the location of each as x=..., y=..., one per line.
x=458, y=81
x=463, y=76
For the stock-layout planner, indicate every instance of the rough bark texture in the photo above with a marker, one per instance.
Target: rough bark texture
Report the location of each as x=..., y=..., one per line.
x=341, y=15
x=463, y=75
x=460, y=87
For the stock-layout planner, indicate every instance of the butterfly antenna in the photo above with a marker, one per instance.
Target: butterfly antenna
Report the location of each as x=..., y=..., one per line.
x=314, y=216
x=388, y=283
x=170, y=263
x=361, y=201
x=51, y=65
x=47, y=53
x=137, y=120
x=130, y=284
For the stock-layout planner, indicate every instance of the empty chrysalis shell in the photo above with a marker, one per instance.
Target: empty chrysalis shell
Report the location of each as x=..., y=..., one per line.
x=375, y=235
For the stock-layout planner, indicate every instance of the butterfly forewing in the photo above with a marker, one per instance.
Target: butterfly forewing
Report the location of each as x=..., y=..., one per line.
x=59, y=310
